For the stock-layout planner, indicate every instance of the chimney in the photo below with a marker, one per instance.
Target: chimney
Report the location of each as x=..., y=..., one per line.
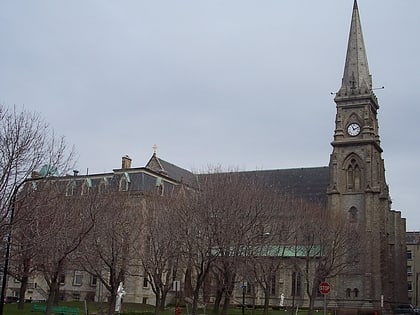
x=75, y=172
x=126, y=162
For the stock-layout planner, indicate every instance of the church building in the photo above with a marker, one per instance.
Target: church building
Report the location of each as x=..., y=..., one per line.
x=353, y=183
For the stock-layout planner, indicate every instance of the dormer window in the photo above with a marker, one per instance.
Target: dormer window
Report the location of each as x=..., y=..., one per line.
x=70, y=189
x=102, y=185
x=160, y=186
x=124, y=182
x=87, y=184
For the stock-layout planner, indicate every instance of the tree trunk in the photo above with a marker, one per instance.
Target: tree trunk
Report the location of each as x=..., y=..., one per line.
x=228, y=296
x=158, y=299
x=312, y=294
x=266, y=300
x=217, y=300
x=111, y=305
x=52, y=296
x=194, y=310
x=22, y=291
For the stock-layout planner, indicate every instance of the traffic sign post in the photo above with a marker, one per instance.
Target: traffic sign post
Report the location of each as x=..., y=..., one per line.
x=325, y=288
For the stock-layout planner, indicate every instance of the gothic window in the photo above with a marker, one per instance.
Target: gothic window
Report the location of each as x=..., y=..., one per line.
x=103, y=185
x=356, y=292
x=160, y=186
x=353, y=214
x=85, y=189
x=348, y=292
x=87, y=184
x=124, y=182
x=353, y=176
x=71, y=187
x=273, y=285
x=296, y=284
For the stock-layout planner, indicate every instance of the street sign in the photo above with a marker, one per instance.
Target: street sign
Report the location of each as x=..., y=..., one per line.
x=324, y=288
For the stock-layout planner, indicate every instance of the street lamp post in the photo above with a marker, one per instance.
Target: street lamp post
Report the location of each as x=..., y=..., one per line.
x=243, y=297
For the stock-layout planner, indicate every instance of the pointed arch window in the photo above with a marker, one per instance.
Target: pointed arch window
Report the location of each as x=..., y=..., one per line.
x=353, y=176
x=86, y=186
x=353, y=214
x=102, y=187
x=124, y=182
x=356, y=292
x=70, y=189
x=348, y=292
x=296, y=284
x=160, y=185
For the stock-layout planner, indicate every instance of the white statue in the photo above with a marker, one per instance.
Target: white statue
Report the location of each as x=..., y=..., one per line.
x=120, y=293
x=282, y=299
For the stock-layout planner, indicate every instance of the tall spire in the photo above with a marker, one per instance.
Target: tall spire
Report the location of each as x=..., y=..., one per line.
x=356, y=78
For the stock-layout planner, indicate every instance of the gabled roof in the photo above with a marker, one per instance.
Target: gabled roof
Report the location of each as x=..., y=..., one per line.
x=170, y=170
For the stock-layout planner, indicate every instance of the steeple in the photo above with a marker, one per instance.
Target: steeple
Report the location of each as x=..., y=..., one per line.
x=356, y=78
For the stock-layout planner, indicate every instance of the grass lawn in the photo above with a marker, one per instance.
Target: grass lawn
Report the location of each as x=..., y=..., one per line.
x=141, y=309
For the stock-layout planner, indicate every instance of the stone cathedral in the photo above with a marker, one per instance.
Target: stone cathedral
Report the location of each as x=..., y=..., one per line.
x=354, y=183
x=357, y=182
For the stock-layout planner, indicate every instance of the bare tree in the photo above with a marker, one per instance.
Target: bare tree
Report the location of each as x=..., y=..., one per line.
x=328, y=243
x=112, y=250
x=24, y=246
x=59, y=228
x=267, y=251
x=219, y=225
x=27, y=144
x=161, y=248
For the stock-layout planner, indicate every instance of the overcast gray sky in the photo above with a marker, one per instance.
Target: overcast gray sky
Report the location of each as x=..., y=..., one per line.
x=240, y=83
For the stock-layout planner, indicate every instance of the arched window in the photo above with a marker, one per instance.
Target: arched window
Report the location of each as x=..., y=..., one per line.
x=123, y=184
x=160, y=186
x=353, y=214
x=70, y=189
x=356, y=292
x=103, y=184
x=353, y=176
x=87, y=184
x=348, y=292
x=296, y=284
x=85, y=189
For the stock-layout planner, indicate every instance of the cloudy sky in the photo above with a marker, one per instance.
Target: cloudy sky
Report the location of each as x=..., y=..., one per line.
x=240, y=83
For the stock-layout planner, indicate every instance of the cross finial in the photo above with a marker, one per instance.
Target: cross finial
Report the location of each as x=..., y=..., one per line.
x=154, y=148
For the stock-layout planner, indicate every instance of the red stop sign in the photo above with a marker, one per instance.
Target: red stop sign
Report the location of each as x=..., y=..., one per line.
x=324, y=287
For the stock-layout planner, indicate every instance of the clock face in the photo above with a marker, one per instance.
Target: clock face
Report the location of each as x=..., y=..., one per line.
x=353, y=129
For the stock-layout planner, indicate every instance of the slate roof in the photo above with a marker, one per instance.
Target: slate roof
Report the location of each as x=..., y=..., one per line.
x=308, y=183
x=171, y=170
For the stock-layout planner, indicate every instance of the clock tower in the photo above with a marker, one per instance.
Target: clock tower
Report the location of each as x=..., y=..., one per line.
x=358, y=187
